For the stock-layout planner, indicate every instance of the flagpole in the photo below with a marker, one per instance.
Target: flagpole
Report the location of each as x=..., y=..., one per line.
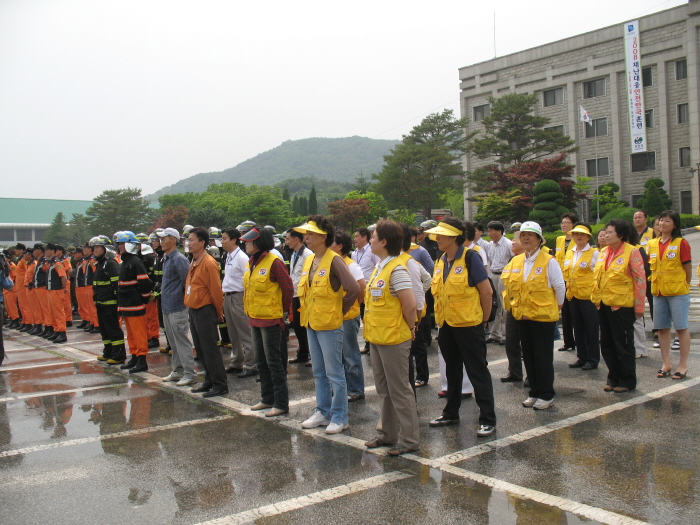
x=597, y=169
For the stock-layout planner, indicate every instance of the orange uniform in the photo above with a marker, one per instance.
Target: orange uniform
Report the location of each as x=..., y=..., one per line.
x=55, y=293
x=33, y=295
x=21, y=272
x=68, y=308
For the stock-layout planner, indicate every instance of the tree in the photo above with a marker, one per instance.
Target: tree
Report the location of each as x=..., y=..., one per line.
x=425, y=164
x=454, y=201
x=403, y=215
x=303, y=206
x=548, y=205
x=57, y=231
x=172, y=217
x=497, y=206
x=605, y=199
x=122, y=209
x=295, y=205
x=313, y=203
x=655, y=199
x=285, y=194
x=378, y=207
x=348, y=213
x=361, y=184
x=78, y=230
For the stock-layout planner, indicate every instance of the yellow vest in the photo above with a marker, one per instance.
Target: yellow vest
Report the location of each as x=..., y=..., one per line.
x=321, y=307
x=667, y=274
x=579, y=277
x=456, y=303
x=613, y=286
x=645, y=237
x=355, y=310
x=262, y=298
x=384, y=322
x=560, y=249
x=532, y=298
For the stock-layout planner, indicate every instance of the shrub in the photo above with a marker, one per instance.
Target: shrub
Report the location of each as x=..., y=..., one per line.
x=689, y=221
x=626, y=213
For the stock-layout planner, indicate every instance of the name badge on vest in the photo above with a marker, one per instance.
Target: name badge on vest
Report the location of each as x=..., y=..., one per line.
x=567, y=262
x=652, y=256
x=516, y=270
x=583, y=264
x=672, y=248
x=644, y=242
x=671, y=255
x=377, y=293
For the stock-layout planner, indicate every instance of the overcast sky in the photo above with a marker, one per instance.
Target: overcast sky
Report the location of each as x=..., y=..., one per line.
x=104, y=94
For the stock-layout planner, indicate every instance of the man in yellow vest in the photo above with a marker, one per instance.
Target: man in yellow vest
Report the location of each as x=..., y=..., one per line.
x=463, y=297
x=562, y=246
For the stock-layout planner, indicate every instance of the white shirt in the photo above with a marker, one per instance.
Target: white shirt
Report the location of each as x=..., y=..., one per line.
x=296, y=269
x=356, y=272
x=366, y=259
x=499, y=254
x=482, y=253
x=234, y=270
x=416, y=282
x=578, y=253
x=555, y=279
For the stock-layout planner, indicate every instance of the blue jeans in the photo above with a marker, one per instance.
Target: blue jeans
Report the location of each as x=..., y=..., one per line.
x=326, y=348
x=273, y=379
x=352, y=359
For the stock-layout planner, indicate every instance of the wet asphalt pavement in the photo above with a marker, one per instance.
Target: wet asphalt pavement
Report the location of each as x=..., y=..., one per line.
x=82, y=442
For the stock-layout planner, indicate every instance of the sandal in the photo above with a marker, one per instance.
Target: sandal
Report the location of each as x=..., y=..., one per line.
x=678, y=375
x=663, y=373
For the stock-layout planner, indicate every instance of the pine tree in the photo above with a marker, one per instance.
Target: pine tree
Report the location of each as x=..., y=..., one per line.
x=313, y=203
x=295, y=205
x=655, y=199
x=57, y=232
x=303, y=206
x=285, y=194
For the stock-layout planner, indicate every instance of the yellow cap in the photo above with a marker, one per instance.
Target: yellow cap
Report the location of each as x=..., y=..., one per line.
x=581, y=229
x=414, y=246
x=443, y=229
x=310, y=227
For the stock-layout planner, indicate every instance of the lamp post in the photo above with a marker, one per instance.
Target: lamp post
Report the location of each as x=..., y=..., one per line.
x=692, y=171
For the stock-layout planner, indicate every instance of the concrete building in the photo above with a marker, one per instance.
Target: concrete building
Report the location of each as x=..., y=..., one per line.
x=26, y=220
x=589, y=70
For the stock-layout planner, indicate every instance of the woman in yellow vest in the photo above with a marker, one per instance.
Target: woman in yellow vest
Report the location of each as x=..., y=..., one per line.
x=619, y=291
x=579, y=265
x=671, y=270
x=352, y=359
x=390, y=325
x=563, y=243
x=535, y=292
x=327, y=291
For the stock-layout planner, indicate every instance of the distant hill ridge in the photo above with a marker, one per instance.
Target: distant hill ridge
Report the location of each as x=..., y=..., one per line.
x=339, y=159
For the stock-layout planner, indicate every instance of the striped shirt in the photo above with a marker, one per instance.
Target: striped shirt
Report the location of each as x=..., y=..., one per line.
x=400, y=278
x=499, y=254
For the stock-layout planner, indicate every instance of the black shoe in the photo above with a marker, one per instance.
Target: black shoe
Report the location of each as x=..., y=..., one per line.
x=130, y=364
x=492, y=341
x=233, y=370
x=442, y=421
x=141, y=365
x=200, y=389
x=577, y=364
x=298, y=360
x=14, y=324
x=69, y=323
x=511, y=379
x=217, y=392
x=48, y=333
x=247, y=373
x=26, y=328
x=82, y=325
x=565, y=349
x=52, y=336
x=88, y=327
x=61, y=338
x=589, y=366
x=152, y=343
x=36, y=330
x=308, y=364
x=94, y=330
x=365, y=350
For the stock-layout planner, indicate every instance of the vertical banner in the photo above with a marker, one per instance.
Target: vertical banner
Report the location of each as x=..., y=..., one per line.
x=638, y=137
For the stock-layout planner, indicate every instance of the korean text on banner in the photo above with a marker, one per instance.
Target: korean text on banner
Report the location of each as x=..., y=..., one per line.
x=633, y=62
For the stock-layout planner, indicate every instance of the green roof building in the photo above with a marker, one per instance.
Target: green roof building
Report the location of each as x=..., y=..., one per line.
x=26, y=220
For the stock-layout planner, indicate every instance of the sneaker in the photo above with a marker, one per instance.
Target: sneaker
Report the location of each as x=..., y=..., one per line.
x=316, y=420
x=543, y=404
x=173, y=376
x=335, y=428
x=676, y=344
x=530, y=402
x=185, y=381
x=485, y=430
x=657, y=345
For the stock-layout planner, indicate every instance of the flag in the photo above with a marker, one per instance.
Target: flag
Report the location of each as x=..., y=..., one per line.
x=584, y=116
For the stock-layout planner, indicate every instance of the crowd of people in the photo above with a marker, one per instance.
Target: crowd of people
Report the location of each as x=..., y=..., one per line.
x=228, y=299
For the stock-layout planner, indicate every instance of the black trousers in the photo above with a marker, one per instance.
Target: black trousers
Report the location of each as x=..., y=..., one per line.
x=567, y=326
x=2, y=342
x=300, y=331
x=537, y=342
x=204, y=330
x=467, y=346
x=110, y=329
x=419, y=350
x=514, y=352
x=617, y=345
x=584, y=316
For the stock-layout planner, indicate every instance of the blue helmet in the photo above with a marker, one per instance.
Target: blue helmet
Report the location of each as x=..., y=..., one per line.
x=126, y=236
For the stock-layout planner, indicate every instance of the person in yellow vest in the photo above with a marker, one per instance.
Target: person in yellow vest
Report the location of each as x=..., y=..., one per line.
x=671, y=270
x=352, y=359
x=644, y=232
x=463, y=299
x=619, y=290
x=390, y=326
x=514, y=352
x=327, y=291
x=535, y=292
x=267, y=296
x=579, y=265
x=561, y=247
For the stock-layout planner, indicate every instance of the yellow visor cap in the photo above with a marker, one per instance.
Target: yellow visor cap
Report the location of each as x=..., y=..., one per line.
x=310, y=227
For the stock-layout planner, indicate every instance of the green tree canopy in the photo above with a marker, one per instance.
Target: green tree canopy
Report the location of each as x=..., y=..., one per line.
x=606, y=199
x=548, y=199
x=655, y=199
x=57, y=232
x=313, y=203
x=378, y=207
x=122, y=209
x=348, y=213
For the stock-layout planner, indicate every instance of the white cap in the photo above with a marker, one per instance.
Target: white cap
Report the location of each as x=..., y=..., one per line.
x=532, y=226
x=169, y=232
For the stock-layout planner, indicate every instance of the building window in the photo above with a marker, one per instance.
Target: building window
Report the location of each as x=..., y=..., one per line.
x=634, y=199
x=602, y=165
x=24, y=235
x=7, y=234
x=649, y=118
x=646, y=77
x=554, y=97
x=683, y=114
x=683, y=157
x=643, y=161
x=599, y=128
x=594, y=88
x=681, y=70
x=686, y=201
x=481, y=111
x=556, y=129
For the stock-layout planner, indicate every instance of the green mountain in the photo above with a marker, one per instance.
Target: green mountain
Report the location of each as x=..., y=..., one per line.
x=339, y=160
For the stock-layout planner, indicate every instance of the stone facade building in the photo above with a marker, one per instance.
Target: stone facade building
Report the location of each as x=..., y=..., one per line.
x=589, y=70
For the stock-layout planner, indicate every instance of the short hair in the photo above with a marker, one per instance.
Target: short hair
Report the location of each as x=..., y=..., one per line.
x=456, y=223
x=324, y=224
x=294, y=233
x=60, y=248
x=364, y=232
x=496, y=225
x=406, y=244
x=624, y=230
x=571, y=216
x=469, y=231
x=264, y=242
x=392, y=233
x=414, y=232
x=641, y=211
x=676, y=218
x=233, y=234
x=201, y=233
x=20, y=246
x=50, y=246
x=479, y=226
x=38, y=246
x=343, y=240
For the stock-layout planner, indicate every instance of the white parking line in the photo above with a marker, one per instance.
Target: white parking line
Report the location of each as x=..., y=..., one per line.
x=60, y=392
x=28, y=367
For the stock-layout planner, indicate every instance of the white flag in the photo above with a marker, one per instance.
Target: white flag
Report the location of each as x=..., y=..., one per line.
x=585, y=117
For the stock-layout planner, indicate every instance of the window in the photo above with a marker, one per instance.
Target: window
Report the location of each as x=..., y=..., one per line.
x=646, y=77
x=39, y=234
x=554, y=97
x=686, y=201
x=683, y=157
x=681, y=70
x=24, y=235
x=634, y=199
x=594, y=88
x=683, y=114
x=601, y=164
x=599, y=128
x=643, y=161
x=481, y=111
x=559, y=129
x=649, y=118
x=7, y=234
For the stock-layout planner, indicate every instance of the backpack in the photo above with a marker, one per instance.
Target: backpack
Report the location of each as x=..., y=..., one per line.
x=495, y=301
